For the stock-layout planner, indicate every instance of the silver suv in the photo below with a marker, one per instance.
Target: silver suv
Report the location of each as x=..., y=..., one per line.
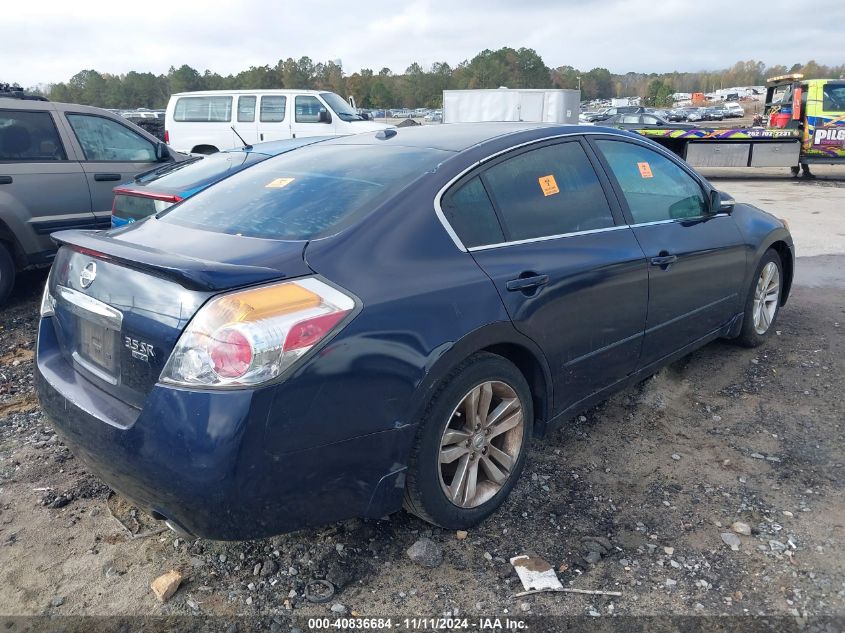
x=58, y=164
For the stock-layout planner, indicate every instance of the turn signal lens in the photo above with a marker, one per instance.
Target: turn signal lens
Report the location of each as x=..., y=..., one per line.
x=251, y=336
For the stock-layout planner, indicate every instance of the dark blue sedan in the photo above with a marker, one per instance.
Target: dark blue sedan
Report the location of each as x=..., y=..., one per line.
x=388, y=319
x=155, y=190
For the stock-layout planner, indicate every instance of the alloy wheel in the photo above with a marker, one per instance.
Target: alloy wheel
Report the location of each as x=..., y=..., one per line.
x=766, y=298
x=481, y=444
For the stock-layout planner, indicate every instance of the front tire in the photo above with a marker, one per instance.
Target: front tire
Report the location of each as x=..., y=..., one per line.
x=762, y=305
x=471, y=443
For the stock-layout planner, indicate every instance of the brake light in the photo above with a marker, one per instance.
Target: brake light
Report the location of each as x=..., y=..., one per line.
x=89, y=251
x=251, y=336
x=167, y=137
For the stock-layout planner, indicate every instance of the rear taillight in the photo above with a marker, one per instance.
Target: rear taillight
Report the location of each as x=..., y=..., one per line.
x=48, y=303
x=167, y=137
x=248, y=337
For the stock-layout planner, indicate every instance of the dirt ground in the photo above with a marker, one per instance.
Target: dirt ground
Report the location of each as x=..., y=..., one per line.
x=661, y=471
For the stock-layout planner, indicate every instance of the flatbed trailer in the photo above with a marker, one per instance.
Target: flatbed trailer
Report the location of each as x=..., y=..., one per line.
x=805, y=126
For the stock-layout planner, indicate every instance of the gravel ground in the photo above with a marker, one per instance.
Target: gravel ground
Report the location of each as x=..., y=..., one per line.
x=640, y=495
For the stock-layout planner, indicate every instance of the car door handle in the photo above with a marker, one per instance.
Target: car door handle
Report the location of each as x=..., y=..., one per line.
x=5, y=180
x=106, y=177
x=664, y=260
x=527, y=283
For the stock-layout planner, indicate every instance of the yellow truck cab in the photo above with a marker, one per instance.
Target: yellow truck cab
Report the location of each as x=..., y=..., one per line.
x=817, y=109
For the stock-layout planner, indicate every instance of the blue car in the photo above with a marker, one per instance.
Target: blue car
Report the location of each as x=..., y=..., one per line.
x=389, y=319
x=155, y=190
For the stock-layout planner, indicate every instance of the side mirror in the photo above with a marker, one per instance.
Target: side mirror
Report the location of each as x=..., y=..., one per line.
x=162, y=152
x=325, y=117
x=720, y=202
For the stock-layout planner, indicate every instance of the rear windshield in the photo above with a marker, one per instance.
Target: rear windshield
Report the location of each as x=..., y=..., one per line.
x=208, y=170
x=311, y=193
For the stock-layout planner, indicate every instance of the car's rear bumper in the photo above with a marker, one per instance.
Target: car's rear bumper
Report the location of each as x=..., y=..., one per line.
x=201, y=459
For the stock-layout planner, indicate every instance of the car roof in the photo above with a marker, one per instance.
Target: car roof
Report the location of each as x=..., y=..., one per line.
x=254, y=91
x=455, y=137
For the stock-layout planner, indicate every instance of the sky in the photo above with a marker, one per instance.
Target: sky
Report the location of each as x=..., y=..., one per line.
x=47, y=41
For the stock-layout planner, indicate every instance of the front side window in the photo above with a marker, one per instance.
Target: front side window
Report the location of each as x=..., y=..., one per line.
x=548, y=191
x=273, y=108
x=470, y=213
x=105, y=140
x=203, y=109
x=246, y=109
x=834, y=97
x=308, y=109
x=655, y=188
x=29, y=136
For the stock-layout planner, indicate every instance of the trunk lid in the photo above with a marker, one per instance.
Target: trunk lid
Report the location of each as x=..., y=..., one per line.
x=123, y=298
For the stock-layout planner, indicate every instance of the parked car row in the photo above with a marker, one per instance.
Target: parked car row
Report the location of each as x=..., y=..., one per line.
x=243, y=362
x=691, y=114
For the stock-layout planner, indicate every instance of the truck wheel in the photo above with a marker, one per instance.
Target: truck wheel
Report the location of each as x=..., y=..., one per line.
x=7, y=273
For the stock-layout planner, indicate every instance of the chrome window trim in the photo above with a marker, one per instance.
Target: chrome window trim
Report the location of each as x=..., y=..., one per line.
x=671, y=220
x=545, y=238
x=438, y=209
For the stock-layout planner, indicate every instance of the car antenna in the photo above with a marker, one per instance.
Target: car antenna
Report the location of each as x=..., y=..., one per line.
x=246, y=145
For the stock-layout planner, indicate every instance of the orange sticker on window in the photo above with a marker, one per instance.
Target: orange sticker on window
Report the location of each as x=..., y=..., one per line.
x=549, y=185
x=645, y=170
x=279, y=182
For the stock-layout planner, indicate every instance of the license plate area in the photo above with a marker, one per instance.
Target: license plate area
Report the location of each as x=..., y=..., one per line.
x=97, y=349
x=95, y=333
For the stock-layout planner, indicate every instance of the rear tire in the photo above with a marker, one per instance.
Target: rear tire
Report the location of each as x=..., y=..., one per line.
x=7, y=273
x=762, y=305
x=471, y=444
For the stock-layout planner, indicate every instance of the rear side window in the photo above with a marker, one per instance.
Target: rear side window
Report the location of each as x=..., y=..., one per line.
x=203, y=109
x=655, y=188
x=105, y=140
x=470, y=213
x=273, y=108
x=246, y=109
x=29, y=136
x=313, y=192
x=549, y=191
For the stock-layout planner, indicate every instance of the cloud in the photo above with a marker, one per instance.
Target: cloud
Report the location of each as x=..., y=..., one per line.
x=49, y=41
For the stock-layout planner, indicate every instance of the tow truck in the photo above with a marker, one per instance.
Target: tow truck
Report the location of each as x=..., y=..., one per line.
x=804, y=125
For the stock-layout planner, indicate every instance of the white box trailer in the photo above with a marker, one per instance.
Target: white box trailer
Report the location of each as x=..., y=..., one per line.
x=504, y=104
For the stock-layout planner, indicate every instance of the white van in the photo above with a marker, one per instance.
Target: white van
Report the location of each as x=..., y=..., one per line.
x=734, y=108
x=201, y=122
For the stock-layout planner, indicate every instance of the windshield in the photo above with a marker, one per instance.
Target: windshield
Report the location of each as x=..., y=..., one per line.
x=313, y=192
x=341, y=108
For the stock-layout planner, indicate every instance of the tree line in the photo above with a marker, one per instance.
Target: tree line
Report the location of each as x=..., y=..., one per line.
x=417, y=86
